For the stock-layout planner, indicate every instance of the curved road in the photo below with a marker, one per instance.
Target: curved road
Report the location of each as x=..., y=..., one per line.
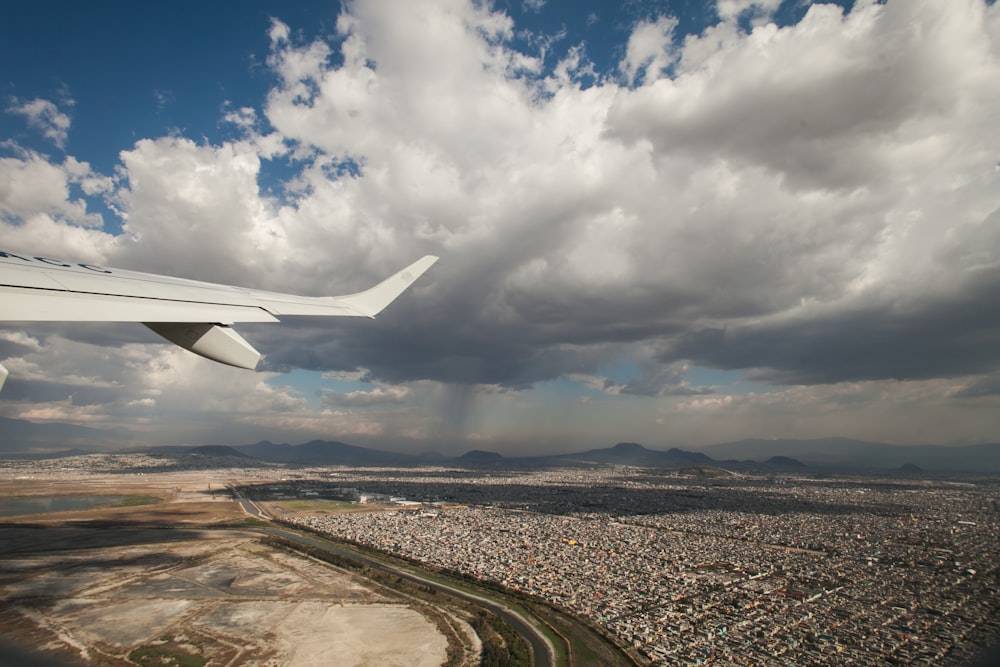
x=249, y=506
x=542, y=651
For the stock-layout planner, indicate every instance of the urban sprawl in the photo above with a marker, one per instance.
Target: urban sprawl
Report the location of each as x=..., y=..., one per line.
x=734, y=569
x=689, y=566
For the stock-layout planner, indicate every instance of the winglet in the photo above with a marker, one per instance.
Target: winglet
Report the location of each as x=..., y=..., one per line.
x=372, y=301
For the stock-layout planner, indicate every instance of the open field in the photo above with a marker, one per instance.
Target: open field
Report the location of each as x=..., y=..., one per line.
x=286, y=508
x=168, y=499
x=113, y=586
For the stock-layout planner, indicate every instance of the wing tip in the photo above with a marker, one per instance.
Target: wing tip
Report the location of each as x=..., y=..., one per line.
x=375, y=299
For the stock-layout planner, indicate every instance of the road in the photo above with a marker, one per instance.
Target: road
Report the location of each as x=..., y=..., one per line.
x=543, y=652
x=248, y=505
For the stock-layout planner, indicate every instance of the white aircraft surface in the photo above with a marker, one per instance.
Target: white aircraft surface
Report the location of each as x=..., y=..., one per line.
x=194, y=315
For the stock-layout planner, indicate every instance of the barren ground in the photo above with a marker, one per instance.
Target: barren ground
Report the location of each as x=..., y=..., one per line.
x=114, y=586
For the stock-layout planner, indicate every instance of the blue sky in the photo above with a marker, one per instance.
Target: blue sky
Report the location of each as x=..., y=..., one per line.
x=136, y=70
x=677, y=223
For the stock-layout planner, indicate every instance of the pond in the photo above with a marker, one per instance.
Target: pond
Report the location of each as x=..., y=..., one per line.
x=39, y=504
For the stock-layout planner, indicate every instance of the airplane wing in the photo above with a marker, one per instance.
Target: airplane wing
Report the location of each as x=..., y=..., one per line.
x=195, y=315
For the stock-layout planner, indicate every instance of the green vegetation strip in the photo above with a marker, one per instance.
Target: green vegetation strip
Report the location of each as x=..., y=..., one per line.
x=136, y=501
x=252, y=523
x=577, y=642
x=304, y=505
x=501, y=644
x=165, y=656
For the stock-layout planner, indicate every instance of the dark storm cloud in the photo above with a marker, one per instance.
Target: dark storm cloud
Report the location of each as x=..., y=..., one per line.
x=939, y=336
x=487, y=328
x=564, y=242
x=988, y=386
x=810, y=203
x=492, y=355
x=16, y=389
x=93, y=333
x=662, y=380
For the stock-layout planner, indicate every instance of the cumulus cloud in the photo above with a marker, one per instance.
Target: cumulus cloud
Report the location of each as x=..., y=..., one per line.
x=730, y=10
x=654, y=379
x=204, y=199
x=31, y=185
x=870, y=410
x=244, y=118
x=44, y=116
x=814, y=204
x=20, y=339
x=138, y=387
x=43, y=208
x=649, y=50
x=380, y=395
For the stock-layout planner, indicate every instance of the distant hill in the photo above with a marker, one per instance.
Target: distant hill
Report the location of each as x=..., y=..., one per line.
x=19, y=436
x=22, y=439
x=217, y=451
x=160, y=450
x=42, y=456
x=631, y=453
x=784, y=462
x=322, y=452
x=847, y=453
x=479, y=457
x=319, y=452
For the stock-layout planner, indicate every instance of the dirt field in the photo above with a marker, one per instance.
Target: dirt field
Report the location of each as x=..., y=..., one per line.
x=112, y=586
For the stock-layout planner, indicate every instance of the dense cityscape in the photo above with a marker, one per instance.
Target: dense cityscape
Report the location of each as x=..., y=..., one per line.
x=690, y=570
x=686, y=566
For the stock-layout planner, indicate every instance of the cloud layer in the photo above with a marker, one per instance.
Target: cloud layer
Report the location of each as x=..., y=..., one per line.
x=816, y=205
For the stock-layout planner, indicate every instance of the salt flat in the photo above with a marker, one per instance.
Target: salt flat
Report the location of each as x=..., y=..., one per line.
x=73, y=586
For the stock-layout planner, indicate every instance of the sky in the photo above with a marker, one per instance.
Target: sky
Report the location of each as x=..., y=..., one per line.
x=676, y=223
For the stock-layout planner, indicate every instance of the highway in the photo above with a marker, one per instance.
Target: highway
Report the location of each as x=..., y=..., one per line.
x=249, y=506
x=542, y=650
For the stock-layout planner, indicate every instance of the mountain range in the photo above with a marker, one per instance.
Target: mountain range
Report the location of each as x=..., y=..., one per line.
x=748, y=455
x=847, y=453
x=21, y=439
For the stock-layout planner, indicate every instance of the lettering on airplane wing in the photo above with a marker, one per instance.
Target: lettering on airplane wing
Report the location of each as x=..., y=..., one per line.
x=48, y=261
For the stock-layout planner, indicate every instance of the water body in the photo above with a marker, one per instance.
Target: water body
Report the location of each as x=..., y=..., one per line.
x=40, y=504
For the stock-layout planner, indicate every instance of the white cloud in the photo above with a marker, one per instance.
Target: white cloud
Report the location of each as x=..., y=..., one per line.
x=189, y=205
x=771, y=181
x=44, y=116
x=862, y=410
x=244, y=118
x=380, y=395
x=347, y=376
x=32, y=185
x=856, y=144
x=21, y=339
x=39, y=214
x=96, y=385
x=730, y=10
x=650, y=50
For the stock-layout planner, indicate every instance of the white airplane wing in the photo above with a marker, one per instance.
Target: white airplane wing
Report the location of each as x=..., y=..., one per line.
x=192, y=314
